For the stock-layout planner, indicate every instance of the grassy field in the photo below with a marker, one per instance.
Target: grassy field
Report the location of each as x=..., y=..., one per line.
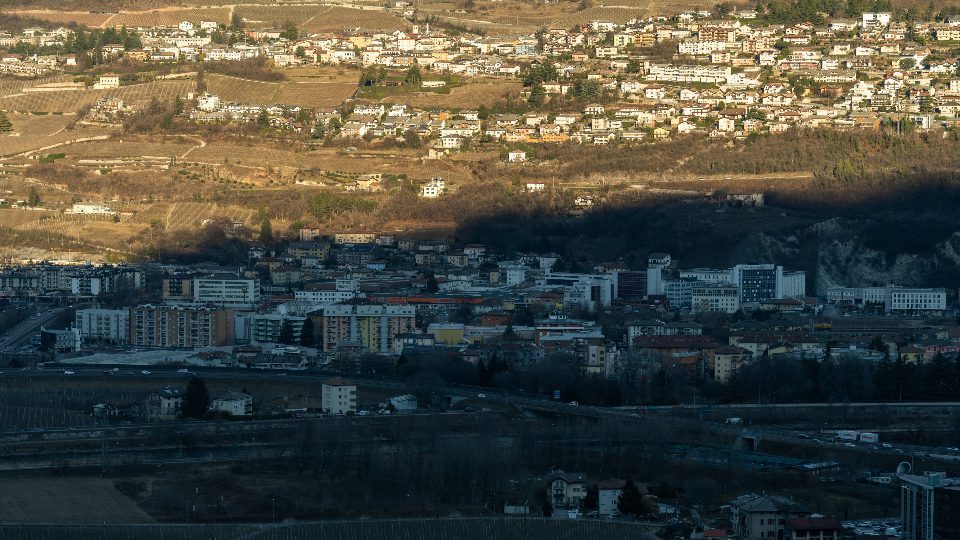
x=65, y=500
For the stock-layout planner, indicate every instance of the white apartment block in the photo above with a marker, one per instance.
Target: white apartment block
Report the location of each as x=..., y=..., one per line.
x=104, y=325
x=715, y=297
x=689, y=73
x=226, y=291
x=338, y=397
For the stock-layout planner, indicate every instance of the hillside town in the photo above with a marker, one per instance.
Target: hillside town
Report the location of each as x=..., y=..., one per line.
x=597, y=83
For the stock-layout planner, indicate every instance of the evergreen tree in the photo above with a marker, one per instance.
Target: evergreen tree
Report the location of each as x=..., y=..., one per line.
x=286, y=333
x=196, y=400
x=592, y=500
x=33, y=199
x=306, y=333
x=432, y=285
x=538, y=96
x=266, y=229
x=6, y=125
x=630, y=501
x=547, y=509
x=937, y=378
x=885, y=384
x=414, y=77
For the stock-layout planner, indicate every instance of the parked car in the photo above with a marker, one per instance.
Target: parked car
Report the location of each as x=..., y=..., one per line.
x=68, y=372
x=145, y=372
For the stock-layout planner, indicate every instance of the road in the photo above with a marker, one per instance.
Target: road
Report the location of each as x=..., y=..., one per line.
x=21, y=333
x=524, y=401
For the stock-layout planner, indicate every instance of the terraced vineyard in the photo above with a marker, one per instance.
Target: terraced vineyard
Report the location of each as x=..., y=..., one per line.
x=306, y=93
x=171, y=17
x=343, y=18
x=190, y=215
x=83, y=18
x=74, y=100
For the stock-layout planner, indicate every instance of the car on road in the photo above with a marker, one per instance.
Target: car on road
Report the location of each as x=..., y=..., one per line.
x=481, y=396
x=886, y=445
x=108, y=372
x=183, y=371
x=145, y=372
x=575, y=403
x=68, y=372
x=850, y=445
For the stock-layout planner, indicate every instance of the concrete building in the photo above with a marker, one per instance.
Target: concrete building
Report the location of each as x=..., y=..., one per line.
x=762, y=517
x=758, y=282
x=233, y=403
x=714, y=297
x=376, y=326
x=109, y=326
x=608, y=496
x=267, y=327
x=184, y=327
x=226, y=291
x=338, y=396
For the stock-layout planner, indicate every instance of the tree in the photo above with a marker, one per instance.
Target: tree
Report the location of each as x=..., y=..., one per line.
x=201, y=82
x=5, y=125
x=411, y=138
x=196, y=400
x=547, y=509
x=592, y=500
x=266, y=232
x=33, y=199
x=286, y=333
x=432, y=285
x=414, y=77
x=306, y=333
x=263, y=119
x=630, y=501
x=178, y=106
x=538, y=96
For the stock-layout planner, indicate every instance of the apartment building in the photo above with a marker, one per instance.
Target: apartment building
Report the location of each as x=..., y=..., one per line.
x=183, y=327
x=715, y=297
x=376, y=326
x=338, y=396
x=226, y=291
x=108, y=326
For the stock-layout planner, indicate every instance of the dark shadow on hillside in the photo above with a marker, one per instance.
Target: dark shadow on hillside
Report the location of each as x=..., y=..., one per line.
x=895, y=215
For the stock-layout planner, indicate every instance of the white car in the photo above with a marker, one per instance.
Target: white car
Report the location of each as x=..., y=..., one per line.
x=144, y=372
x=68, y=372
x=183, y=370
x=481, y=396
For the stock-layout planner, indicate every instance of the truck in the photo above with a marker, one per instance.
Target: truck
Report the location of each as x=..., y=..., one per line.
x=847, y=435
x=869, y=437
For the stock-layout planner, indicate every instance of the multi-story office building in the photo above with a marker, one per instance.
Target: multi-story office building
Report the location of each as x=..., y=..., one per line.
x=899, y=300
x=376, y=326
x=104, y=325
x=758, y=282
x=184, y=327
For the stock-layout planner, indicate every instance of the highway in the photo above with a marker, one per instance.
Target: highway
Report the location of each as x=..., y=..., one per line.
x=20, y=334
x=532, y=402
